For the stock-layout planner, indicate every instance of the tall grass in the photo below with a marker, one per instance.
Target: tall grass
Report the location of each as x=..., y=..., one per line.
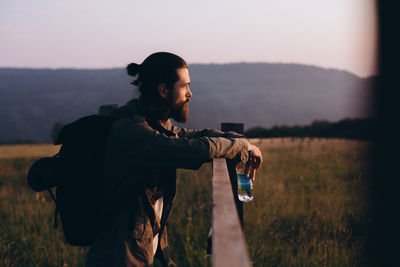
x=27, y=151
x=310, y=209
x=27, y=235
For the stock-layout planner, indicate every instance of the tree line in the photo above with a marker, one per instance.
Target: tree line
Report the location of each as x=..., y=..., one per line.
x=362, y=129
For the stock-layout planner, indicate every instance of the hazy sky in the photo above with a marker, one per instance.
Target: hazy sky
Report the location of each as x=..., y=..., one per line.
x=112, y=33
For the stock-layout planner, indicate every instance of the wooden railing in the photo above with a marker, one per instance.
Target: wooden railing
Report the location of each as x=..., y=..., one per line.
x=228, y=242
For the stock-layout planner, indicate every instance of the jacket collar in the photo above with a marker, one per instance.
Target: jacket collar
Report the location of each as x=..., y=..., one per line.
x=138, y=106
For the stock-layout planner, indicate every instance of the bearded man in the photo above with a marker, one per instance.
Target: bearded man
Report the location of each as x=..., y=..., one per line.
x=143, y=151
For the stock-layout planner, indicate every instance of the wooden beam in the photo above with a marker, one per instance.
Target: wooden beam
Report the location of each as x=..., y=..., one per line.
x=239, y=128
x=228, y=242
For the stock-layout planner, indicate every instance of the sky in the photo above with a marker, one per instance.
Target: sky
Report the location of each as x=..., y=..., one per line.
x=338, y=34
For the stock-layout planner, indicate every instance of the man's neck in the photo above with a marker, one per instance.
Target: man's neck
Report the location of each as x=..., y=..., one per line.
x=155, y=112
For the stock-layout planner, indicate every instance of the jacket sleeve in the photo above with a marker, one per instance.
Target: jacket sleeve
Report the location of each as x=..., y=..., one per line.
x=140, y=144
x=194, y=133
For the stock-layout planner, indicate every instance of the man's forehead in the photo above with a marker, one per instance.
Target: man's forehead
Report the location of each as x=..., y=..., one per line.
x=183, y=74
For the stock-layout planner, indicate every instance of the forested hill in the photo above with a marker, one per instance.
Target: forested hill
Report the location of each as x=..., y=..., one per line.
x=258, y=94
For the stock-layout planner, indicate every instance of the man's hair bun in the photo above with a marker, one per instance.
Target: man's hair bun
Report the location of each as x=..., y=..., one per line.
x=156, y=69
x=133, y=69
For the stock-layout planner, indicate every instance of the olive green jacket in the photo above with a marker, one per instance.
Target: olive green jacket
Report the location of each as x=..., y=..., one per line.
x=141, y=161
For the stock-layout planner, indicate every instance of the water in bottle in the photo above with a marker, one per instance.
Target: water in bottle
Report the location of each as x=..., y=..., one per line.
x=245, y=184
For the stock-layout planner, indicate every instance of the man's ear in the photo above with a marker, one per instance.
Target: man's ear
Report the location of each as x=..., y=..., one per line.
x=163, y=90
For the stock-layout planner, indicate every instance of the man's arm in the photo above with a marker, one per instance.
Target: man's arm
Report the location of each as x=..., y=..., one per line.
x=142, y=145
x=194, y=133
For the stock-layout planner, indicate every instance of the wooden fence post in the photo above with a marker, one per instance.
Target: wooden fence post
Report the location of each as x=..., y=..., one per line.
x=228, y=242
x=239, y=128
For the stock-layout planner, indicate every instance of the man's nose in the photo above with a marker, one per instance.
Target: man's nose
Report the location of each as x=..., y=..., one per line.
x=189, y=94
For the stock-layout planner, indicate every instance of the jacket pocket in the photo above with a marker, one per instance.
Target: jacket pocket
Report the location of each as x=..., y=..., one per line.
x=139, y=252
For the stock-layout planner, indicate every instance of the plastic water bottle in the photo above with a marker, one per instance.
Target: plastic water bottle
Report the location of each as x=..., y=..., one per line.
x=245, y=184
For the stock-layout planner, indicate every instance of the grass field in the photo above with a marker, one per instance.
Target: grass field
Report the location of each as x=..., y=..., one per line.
x=310, y=209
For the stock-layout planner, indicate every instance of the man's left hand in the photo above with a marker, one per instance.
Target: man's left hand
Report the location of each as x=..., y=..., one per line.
x=254, y=162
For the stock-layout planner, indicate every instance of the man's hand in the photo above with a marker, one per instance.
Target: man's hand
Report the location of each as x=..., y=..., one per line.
x=254, y=162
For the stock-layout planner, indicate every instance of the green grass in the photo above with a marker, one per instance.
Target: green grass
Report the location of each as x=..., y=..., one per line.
x=310, y=209
x=28, y=237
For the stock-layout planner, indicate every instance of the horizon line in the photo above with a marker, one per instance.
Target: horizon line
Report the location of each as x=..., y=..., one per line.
x=196, y=63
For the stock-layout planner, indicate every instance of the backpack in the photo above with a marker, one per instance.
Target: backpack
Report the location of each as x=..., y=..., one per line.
x=77, y=171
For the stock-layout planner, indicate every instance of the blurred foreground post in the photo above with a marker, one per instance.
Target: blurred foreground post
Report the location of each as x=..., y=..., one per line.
x=384, y=232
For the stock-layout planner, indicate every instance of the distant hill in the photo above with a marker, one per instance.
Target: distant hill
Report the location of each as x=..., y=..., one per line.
x=263, y=94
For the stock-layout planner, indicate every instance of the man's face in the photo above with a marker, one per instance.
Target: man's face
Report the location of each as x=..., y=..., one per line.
x=180, y=96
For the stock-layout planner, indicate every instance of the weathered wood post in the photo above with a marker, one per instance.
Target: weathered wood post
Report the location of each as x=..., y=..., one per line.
x=239, y=128
x=226, y=239
x=228, y=242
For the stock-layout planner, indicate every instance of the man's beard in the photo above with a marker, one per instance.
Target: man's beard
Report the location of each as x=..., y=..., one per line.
x=180, y=113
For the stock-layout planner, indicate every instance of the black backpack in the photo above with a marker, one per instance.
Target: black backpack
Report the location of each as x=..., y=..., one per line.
x=77, y=171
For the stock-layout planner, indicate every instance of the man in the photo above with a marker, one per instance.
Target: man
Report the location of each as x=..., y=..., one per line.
x=143, y=151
